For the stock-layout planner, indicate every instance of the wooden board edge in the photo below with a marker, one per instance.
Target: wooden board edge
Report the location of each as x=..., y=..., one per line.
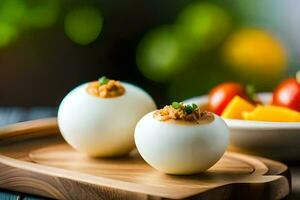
x=49, y=126
x=29, y=129
x=63, y=188
x=14, y=169
x=21, y=180
x=34, y=126
x=277, y=189
x=34, y=169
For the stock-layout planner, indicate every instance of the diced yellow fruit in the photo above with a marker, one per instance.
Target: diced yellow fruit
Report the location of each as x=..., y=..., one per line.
x=272, y=114
x=235, y=108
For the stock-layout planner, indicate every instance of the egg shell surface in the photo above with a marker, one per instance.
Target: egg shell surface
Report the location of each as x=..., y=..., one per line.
x=102, y=127
x=176, y=148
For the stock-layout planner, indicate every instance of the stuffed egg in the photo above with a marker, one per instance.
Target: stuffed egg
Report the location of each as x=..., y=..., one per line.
x=99, y=118
x=181, y=139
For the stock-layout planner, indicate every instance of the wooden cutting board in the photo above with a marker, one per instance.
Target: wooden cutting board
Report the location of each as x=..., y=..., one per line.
x=35, y=159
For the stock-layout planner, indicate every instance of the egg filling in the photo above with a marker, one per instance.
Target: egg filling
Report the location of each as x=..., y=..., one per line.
x=105, y=88
x=182, y=112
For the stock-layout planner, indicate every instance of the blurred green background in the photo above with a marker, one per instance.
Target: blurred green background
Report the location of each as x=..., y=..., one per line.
x=172, y=49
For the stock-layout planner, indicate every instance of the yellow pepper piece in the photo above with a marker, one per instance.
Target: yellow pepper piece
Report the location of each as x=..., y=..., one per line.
x=272, y=114
x=235, y=108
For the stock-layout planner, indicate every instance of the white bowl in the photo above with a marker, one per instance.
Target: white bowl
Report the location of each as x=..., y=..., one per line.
x=278, y=140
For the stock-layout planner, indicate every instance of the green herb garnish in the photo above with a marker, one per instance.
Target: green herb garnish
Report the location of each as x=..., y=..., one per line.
x=103, y=80
x=176, y=105
x=188, y=109
x=194, y=106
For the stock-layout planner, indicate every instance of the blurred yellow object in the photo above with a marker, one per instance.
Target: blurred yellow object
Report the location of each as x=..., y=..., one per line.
x=236, y=107
x=272, y=114
x=256, y=52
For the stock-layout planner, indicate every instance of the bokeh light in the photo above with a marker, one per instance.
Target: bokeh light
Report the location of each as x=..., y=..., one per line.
x=83, y=25
x=203, y=25
x=42, y=14
x=159, y=55
x=256, y=53
x=280, y=17
x=12, y=11
x=8, y=33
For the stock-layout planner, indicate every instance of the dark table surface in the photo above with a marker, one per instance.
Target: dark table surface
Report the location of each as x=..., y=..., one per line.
x=16, y=114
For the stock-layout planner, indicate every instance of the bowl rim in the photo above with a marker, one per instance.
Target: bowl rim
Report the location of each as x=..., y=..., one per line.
x=249, y=124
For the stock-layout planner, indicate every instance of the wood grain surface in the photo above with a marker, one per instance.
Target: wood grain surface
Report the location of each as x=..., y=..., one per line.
x=35, y=159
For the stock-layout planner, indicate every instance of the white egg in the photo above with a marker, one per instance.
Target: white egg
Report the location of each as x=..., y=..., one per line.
x=102, y=126
x=181, y=148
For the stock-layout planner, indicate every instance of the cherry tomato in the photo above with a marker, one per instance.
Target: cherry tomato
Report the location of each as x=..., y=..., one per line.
x=222, y=94
x=287, y=94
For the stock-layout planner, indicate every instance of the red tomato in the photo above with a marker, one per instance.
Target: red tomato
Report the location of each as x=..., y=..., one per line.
x=222, y=94
x=287, y=94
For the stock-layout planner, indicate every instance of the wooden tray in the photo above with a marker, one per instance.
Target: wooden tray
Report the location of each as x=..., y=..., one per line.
x=35, y=159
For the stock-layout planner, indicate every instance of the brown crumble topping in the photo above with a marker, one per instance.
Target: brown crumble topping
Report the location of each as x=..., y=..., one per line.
x=111, y=89
x=171, y=113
